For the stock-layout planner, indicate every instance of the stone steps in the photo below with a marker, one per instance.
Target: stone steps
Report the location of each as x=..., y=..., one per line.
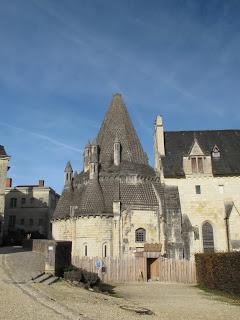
x=51, y=280
x=45, y=278
x=36, y=275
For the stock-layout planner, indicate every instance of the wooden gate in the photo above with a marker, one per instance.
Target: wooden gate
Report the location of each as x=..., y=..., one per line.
x=153, y=269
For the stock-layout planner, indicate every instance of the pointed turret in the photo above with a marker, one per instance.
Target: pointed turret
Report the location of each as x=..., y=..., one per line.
x=117, y=121
x=68, y=175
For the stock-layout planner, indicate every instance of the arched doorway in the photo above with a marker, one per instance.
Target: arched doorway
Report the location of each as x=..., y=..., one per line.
x=207, y=235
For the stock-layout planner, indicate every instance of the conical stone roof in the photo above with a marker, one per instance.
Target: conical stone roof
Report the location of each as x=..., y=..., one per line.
x=96, y=196
x=118, y=123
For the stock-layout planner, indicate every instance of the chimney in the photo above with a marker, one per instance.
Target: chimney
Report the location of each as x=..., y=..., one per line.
x=8, y=183
x=41, y=183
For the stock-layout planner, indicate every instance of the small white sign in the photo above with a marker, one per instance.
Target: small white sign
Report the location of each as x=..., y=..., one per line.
x=50, y=248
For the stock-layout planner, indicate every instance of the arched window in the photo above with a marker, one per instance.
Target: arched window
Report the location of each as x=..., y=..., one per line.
x=140, y=235
x=207, y=235
x=104, y=250
x=85, y=250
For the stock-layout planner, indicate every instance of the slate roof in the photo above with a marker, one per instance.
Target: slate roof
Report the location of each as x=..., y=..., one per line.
x=2, y=152
x=178, y=144
x=96, y=196
x=118, y=125
x=63, y=206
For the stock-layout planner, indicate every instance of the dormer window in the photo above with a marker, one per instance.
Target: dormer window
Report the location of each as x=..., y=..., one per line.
x=216, y=152
x=197, y=164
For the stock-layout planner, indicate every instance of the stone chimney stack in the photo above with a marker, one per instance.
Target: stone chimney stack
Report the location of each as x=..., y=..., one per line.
x=86, y=157
x=159, y=144
x=41, y=183
x=94, y=161
x=117, y=152
x=8, y=183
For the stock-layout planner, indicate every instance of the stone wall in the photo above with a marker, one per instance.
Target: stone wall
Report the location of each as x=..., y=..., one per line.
x=97, y=232
x=56, y=254
x=207, y=206
x=131, y=221
x=90, y=232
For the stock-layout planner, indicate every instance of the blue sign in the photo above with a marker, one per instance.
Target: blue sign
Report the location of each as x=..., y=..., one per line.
x=98, y=264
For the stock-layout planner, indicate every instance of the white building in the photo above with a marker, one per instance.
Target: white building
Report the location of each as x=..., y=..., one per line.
x=4, y=160
x=205, y=165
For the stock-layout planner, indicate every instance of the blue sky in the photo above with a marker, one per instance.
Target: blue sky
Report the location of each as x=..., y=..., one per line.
x=61, y=61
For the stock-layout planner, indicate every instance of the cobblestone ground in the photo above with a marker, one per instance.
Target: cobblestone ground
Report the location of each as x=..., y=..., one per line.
x=20, y=300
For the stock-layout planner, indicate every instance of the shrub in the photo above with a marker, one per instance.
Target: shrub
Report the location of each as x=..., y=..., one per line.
x=70, y=268
x=219, y=271
x=90, y=279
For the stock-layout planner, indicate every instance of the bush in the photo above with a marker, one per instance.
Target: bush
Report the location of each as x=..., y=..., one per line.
x=70, y=268
x=90, y=279
x=219, y=271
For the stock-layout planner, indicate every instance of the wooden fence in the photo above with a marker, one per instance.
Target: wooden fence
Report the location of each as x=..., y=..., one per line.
x=132, y=269
x=183, y=271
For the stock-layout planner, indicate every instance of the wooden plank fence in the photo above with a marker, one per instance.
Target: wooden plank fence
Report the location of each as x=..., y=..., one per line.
x=132, y=269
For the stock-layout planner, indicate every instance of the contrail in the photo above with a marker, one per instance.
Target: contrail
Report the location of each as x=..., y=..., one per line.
x=42, y=136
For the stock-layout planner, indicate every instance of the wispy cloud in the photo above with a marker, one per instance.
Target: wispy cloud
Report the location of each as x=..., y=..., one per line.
x=109, y=53
x=42, y=137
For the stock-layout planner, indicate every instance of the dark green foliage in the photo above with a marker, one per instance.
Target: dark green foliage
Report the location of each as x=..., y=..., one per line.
x=70, y=268
x=91, y=279
x=219, y=271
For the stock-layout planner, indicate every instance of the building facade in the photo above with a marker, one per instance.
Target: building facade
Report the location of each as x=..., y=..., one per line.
x=117, y=204
x=205, y=165
x=4, y=162
x=28, y=211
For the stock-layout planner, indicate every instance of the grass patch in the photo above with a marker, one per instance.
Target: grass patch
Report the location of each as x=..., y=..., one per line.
x=221, y=295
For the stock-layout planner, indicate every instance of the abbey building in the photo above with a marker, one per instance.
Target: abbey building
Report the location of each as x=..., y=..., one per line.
x=119, y=206
x=205, y=165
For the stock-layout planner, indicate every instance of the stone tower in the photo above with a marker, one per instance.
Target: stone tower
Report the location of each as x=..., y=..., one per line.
x=118, y=199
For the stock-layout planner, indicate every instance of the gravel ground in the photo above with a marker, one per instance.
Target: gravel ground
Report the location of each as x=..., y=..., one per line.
x=38, y=301
x=93, y=305
x=14, y=304
x=167, y=301
x=179, y=301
